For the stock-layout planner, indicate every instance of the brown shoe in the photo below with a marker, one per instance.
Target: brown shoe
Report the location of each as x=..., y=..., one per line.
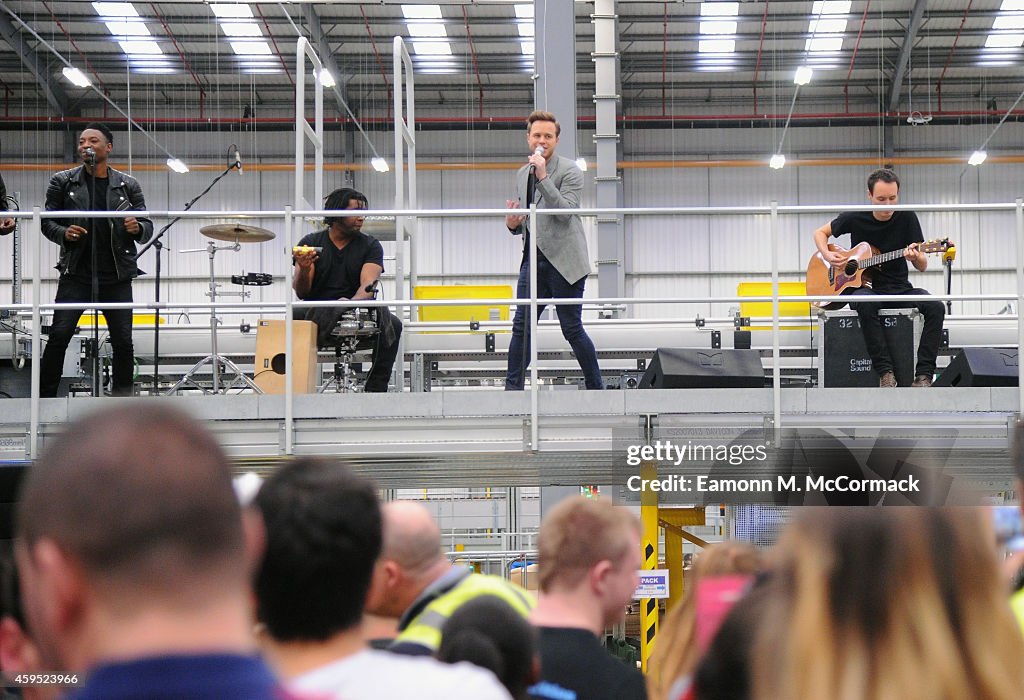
x=887, y=380
x=922, y=380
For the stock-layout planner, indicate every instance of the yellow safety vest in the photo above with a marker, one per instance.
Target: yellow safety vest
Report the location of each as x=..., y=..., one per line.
x=1017, y=601
x=425, y=628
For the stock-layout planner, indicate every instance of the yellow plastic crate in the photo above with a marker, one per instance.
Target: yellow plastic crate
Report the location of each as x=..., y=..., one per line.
x=469, y=312
x=764, y=308
x=137, y=320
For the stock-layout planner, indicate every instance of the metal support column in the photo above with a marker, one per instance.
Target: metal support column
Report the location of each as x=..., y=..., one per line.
x=554, y=25
x=611, y=248
x=513, y=521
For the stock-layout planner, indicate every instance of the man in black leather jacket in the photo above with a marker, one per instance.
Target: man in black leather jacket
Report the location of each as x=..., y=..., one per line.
x=97, y=187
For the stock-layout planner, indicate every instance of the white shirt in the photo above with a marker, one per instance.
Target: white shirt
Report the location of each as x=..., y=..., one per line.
x=382, y=675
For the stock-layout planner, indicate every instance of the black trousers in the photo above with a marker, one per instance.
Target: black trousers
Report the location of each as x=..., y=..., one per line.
x=119, y=326
x=931, y=336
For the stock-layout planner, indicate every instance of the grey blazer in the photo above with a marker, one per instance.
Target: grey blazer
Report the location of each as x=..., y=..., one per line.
x=561, y=236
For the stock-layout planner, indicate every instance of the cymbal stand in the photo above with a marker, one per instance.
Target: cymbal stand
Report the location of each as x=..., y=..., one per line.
x=214, y=359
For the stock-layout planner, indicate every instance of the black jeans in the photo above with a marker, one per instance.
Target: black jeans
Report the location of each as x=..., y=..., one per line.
x=931, y=336
x=119, y=326
x=550, y=283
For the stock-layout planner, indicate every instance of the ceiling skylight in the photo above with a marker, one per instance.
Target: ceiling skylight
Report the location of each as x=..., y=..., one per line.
x=1007, y=27
x=232, y=11
x=524, y=13
x=718, y=29
x=826, y=28
x=130, y=31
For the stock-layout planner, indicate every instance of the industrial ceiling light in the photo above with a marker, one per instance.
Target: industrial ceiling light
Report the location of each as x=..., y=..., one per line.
x=76, y=76
x=777, y=162
x=379, y=164
x=176, y=165
x=803, y=75
x=977, y=158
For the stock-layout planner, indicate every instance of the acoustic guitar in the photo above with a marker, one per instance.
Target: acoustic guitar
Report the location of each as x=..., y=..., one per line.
x=826, y=280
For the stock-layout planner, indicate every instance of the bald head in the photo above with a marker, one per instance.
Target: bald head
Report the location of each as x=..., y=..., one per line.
x=412, y=537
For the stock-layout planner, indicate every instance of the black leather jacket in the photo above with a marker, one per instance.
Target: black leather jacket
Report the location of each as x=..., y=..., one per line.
x=68, y=191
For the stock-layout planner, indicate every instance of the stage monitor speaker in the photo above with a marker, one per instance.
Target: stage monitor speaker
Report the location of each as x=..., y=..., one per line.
x=700, y=368
x=981, y=367
x=270, y=357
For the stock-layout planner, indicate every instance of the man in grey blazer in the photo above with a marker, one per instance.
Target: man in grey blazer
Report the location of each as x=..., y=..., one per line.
x=563, y=264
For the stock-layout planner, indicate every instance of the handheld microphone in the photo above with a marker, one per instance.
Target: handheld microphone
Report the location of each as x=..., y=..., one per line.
x=538, y=151
x=238, y=161
x=90, y=156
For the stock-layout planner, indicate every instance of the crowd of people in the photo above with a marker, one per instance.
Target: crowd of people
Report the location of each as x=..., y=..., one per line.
x=138, y=572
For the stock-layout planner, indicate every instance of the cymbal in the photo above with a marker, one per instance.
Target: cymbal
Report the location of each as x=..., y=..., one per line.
x=232, y=232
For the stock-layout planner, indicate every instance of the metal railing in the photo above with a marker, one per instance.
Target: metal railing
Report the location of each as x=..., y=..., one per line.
x=288, y=304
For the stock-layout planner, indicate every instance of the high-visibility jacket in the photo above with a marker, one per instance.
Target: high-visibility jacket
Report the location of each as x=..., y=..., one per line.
x=1017, y=601
x=422, y=633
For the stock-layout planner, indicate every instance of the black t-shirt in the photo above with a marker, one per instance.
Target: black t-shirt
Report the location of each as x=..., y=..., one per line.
x=100, y=229
x=336, y=273
x=574, y=660
x=896, y=233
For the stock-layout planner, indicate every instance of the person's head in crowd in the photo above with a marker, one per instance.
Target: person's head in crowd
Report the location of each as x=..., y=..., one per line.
x=18, y=653
x=323, y=535
x=680, y=641
x=487, y=632
x=130, y=542
x=877, y=603
x=589, y=554
x=724, y=670
x=411, y=558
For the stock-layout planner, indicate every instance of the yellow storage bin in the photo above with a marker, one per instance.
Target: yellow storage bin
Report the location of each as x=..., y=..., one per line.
x=764, y=308
x=469, y=312
x=137, y=320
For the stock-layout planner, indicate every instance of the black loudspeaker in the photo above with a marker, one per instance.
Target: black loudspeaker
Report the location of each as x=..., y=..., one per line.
x=699, y=368
x=981, y=367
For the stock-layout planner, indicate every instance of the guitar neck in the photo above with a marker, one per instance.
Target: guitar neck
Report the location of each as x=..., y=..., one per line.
x=881, y=258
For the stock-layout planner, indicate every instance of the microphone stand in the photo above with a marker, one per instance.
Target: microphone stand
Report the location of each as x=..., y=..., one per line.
x=90, y=163
x=155, y=243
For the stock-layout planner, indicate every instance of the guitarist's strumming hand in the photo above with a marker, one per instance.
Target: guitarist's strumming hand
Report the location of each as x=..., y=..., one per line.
x=836, y=260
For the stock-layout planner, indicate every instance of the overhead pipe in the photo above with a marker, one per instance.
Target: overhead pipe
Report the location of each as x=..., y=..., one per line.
x=380, y=64
x=952, y=50
x=277, y=50
x=515, y=122
x=472, y=53
x=853, y=58
x=623, y=165
x=181, y=54
x=760, y=47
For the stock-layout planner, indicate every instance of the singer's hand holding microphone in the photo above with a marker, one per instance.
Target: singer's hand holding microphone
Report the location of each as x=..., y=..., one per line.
x=538, y=166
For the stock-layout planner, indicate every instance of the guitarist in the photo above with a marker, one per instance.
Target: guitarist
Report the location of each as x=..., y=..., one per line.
x=888, y=231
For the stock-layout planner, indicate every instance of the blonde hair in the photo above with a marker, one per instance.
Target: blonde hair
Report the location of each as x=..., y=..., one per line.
x=887, y=604
x=578, y=534
x=677, y=653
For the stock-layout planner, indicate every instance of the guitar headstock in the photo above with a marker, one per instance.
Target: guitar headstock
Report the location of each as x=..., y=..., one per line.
x=936, y=246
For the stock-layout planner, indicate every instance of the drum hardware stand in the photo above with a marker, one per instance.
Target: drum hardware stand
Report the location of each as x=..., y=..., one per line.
x=155, y=242
x=350, y=328
x=214, y=359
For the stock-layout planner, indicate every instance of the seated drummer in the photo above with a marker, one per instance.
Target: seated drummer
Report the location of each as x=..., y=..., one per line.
x=350, y=261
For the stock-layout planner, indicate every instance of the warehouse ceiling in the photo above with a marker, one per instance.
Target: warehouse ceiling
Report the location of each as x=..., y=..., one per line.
x=190, y=61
